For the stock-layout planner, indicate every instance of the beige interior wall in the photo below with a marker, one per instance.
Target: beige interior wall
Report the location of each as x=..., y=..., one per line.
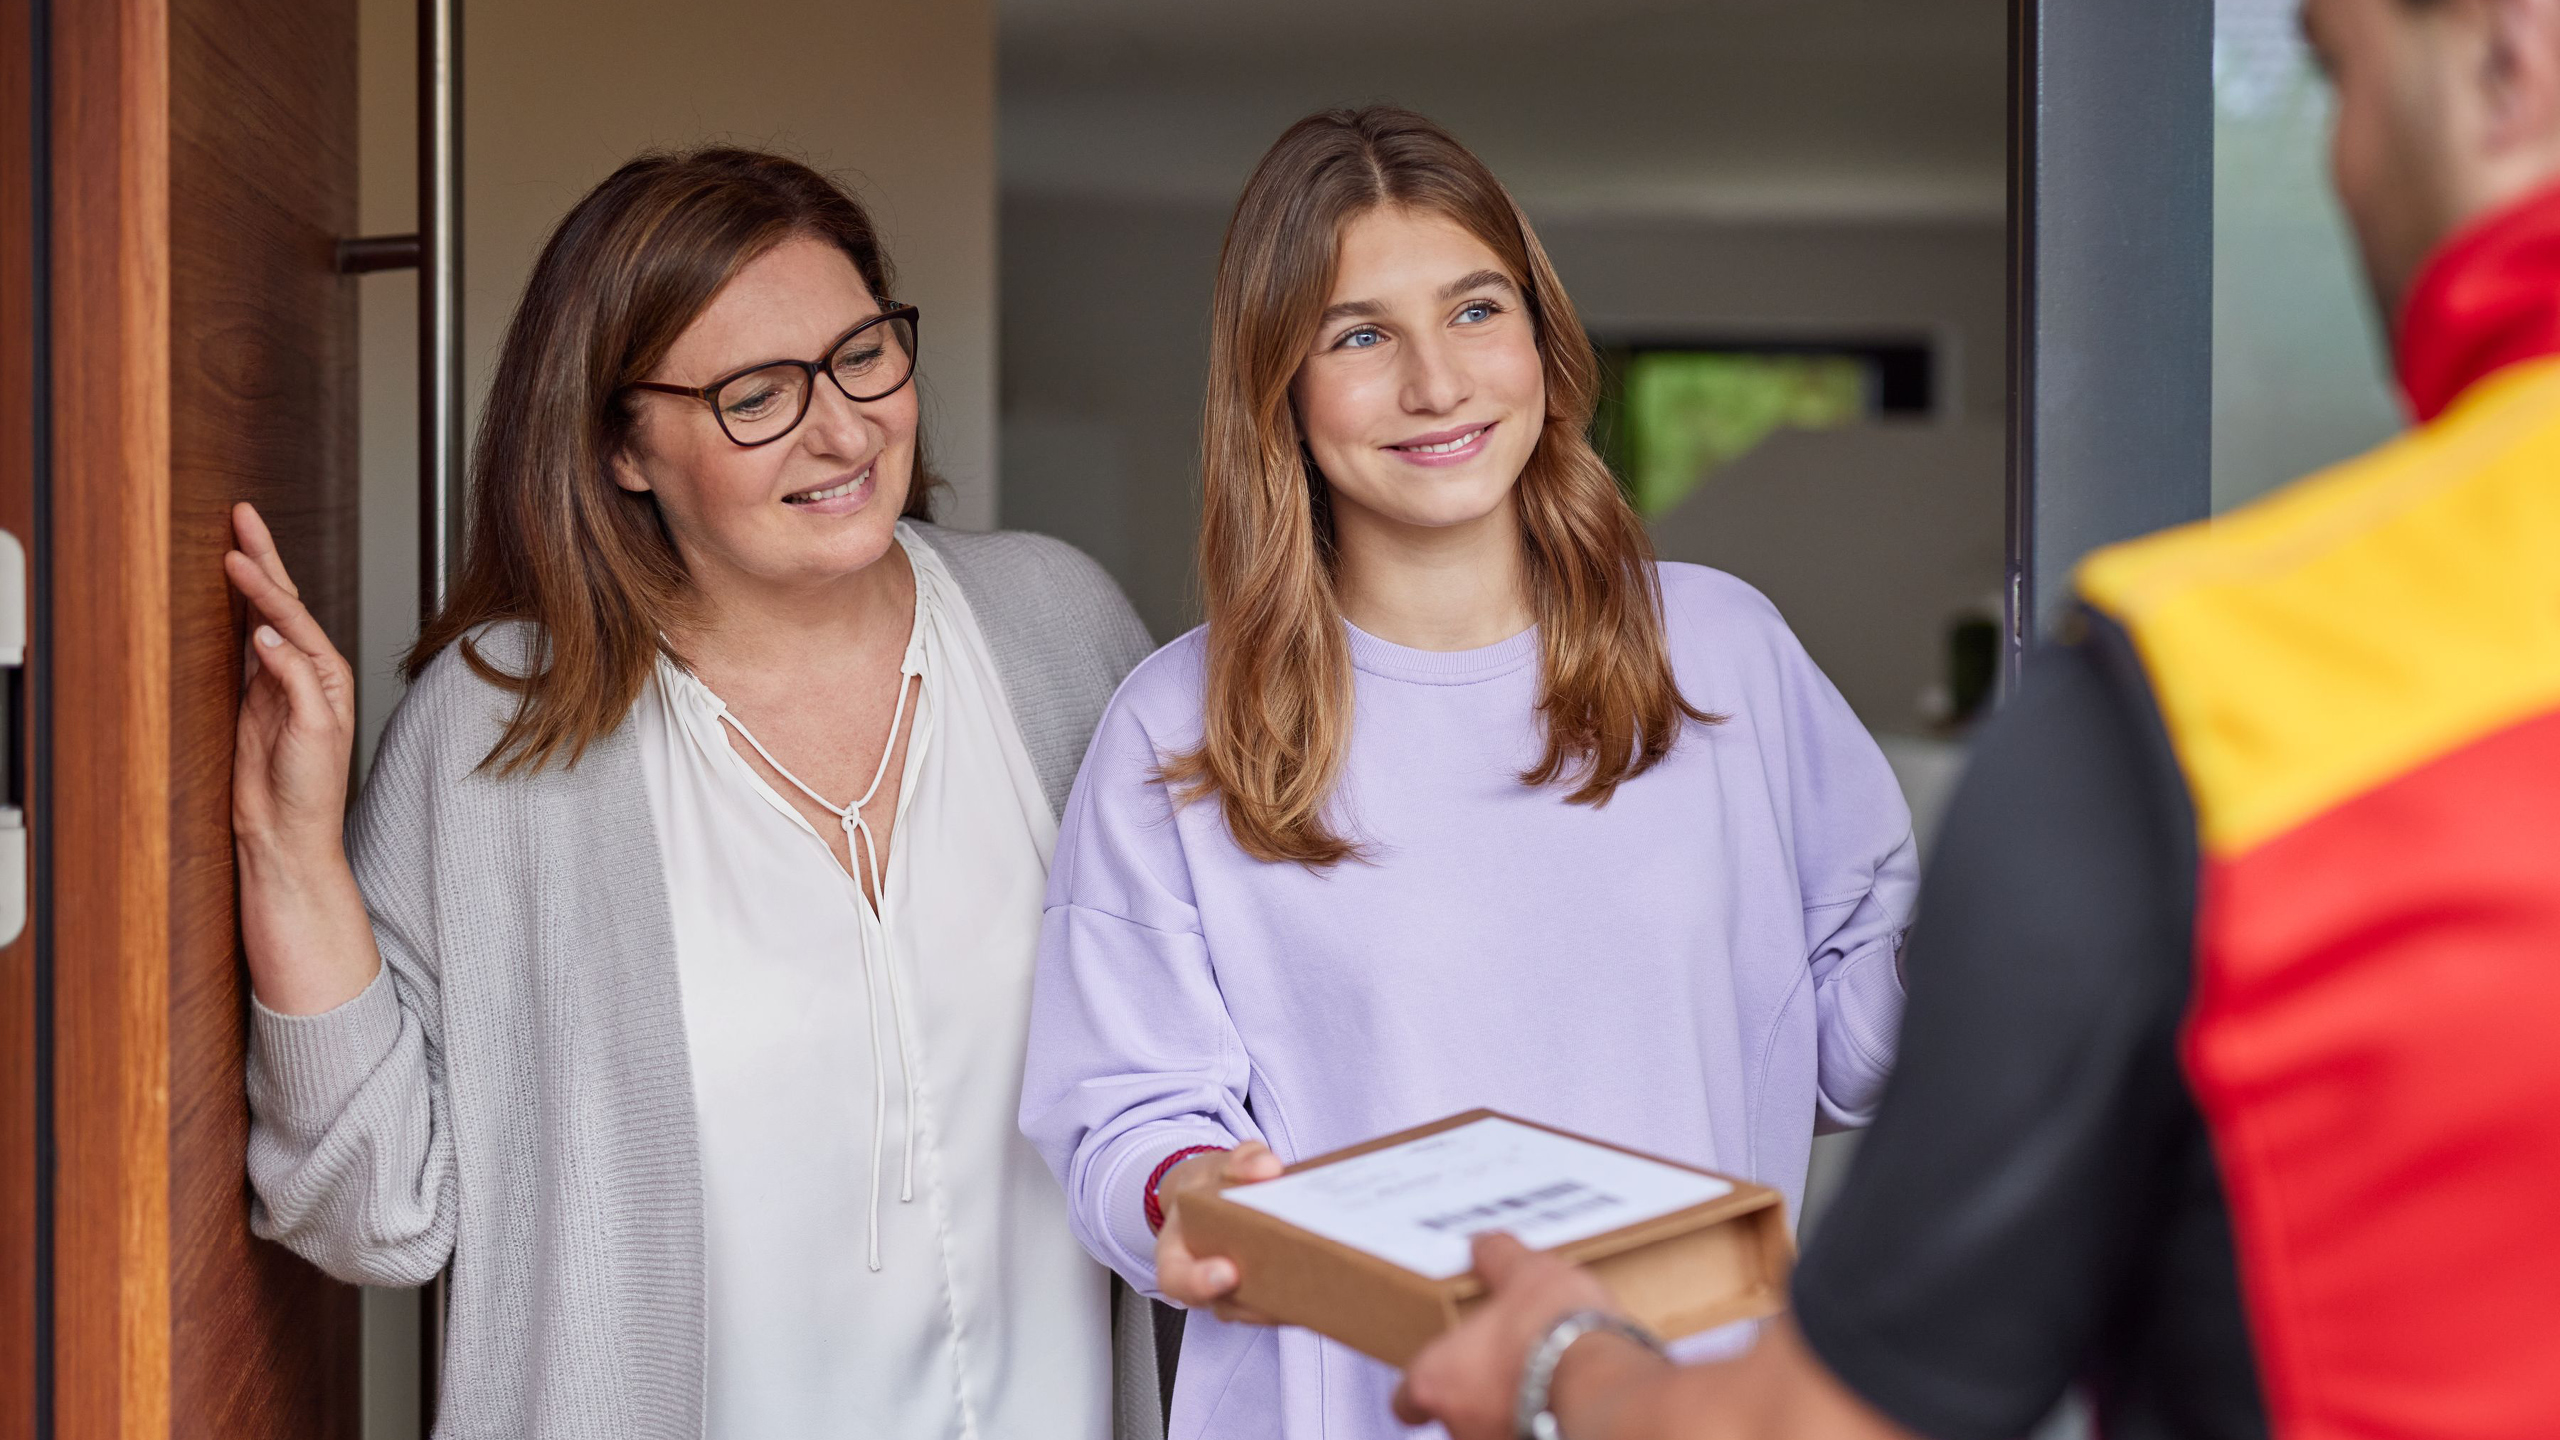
x=896, y=96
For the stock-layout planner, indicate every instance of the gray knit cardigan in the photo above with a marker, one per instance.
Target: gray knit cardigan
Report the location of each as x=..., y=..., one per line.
x=512, y=1096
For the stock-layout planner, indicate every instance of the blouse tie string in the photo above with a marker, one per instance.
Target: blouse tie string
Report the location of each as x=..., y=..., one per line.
x=863, y=846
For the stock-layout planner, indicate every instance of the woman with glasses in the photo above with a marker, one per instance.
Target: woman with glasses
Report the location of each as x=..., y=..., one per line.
x=671, y=984
x=1459, y=799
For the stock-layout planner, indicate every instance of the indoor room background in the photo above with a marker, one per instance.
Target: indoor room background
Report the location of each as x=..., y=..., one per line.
x=1784, y=224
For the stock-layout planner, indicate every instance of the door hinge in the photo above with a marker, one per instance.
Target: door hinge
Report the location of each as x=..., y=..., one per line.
x=13, y=738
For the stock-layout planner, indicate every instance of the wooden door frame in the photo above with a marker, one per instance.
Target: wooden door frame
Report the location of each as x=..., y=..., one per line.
x=23, y=1034
x=109, y=541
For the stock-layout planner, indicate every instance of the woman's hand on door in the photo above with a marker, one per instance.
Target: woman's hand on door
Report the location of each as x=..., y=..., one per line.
x=297, y=709
x=301, y=917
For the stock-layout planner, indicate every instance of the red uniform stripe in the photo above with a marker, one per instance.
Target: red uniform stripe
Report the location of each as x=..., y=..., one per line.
x=2375, y=1041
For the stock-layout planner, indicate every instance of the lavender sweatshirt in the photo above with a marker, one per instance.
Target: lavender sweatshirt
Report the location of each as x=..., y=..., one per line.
x=1700, y=968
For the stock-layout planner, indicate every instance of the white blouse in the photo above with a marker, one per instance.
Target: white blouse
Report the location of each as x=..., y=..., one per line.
x=888, y=1256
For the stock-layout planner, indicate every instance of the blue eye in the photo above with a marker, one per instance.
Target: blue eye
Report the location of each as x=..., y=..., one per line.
x=1482, y=309
x=1363, y=338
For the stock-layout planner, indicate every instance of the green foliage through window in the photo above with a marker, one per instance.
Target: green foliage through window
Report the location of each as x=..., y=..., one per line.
x=1671, y=418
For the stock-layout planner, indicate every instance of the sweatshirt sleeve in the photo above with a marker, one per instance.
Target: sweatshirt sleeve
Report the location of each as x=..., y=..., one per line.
x=1132, y=1053
x=1859, y=871
x=350, y=1154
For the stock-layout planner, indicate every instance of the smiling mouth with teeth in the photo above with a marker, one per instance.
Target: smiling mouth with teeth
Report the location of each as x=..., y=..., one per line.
x=812, y=497
x=1445, y=447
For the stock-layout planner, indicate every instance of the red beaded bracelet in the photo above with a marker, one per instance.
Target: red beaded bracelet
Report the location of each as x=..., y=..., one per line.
x=1155, y=1207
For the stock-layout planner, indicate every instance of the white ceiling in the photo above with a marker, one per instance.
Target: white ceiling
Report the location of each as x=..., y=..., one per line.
x=1743, y=108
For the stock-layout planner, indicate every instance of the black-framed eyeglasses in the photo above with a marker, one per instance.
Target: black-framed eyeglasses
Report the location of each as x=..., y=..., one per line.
x=768, y=400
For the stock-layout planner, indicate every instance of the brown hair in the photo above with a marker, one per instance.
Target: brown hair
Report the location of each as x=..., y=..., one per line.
x=1278, y=707
x=553, y=539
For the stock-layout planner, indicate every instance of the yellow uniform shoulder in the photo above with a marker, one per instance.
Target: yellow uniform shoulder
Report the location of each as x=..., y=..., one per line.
x=2358, y=622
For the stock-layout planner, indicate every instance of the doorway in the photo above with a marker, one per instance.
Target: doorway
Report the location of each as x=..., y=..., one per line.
x=1815, y=243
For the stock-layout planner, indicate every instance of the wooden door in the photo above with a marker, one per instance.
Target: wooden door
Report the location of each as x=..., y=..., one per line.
x=199, y=350
x=19, y=1032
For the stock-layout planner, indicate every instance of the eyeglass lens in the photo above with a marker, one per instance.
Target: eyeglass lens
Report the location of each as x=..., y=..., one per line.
x=873, y=362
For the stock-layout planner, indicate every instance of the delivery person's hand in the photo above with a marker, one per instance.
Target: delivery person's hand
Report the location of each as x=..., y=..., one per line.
x=1199, y=1281
x=1469, y=1378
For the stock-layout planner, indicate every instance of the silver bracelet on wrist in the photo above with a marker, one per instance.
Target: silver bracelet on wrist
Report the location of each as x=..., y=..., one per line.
x=1530, y=1417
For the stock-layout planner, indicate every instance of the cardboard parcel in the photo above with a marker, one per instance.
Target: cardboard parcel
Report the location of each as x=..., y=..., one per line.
x=1371, y=1245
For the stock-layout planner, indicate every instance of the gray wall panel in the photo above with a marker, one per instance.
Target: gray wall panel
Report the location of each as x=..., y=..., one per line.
x=2112, y=270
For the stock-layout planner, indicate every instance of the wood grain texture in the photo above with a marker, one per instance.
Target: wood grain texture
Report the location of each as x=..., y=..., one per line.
x=204, y=161
x=262, y=121
x=110, y=488
x=17, y=506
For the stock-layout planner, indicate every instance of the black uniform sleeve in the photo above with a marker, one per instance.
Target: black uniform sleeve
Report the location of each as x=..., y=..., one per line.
x=1992, y=1214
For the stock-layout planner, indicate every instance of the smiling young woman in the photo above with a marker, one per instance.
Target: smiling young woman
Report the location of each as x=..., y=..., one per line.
x=723, y=788
x=1459, y=799
x=1480, y=480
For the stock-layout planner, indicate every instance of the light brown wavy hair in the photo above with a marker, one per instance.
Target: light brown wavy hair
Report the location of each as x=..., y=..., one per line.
x=1279, y=664
x=553, y=540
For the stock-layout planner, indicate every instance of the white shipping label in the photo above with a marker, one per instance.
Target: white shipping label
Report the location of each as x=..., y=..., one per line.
x=1418, y=1204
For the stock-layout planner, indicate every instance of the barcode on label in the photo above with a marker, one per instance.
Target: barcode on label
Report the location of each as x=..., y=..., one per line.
x=1547, y=1205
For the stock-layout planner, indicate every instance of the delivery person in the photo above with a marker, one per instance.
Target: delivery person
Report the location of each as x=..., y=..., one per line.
x=2230, y=1080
